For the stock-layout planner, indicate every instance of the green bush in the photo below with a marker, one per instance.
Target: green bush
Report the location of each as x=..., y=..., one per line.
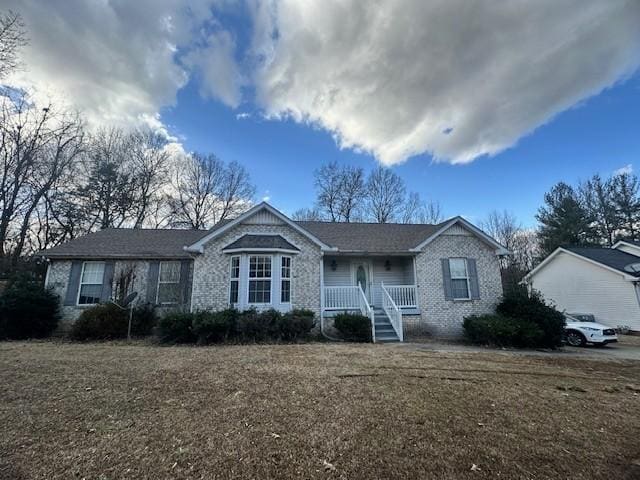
x=254, y=326
x=102, y=322
x=502, y=331
x=107, y=321
x=177, y=327
x=214, y=327
x=353, y=326
x=296, y=324
x=27, y=310
x=517, y=303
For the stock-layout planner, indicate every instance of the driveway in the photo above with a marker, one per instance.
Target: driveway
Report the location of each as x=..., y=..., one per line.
x=627, y=348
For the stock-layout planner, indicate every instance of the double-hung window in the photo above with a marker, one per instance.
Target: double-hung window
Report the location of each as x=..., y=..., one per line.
x=235, y=280
x=168, y=283
x=259, y=279
x=459, y=278
x=285, y=280
x=91, y=283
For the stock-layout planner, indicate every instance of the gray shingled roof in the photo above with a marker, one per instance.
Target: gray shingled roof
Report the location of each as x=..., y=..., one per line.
x=261, y=241
x=611, y=257
x=124, y=243
x=169, y=243
x=371, y=237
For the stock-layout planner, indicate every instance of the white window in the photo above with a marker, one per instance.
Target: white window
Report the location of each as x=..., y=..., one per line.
x=91, y=283
x=259, y=279
x=285, y=282
x=235, y=280
x=168, y=283
x=459, y=278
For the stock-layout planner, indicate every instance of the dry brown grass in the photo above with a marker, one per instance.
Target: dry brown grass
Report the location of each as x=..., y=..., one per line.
x=141, y=411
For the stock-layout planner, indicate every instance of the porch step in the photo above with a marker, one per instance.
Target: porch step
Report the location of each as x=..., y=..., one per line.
x=384, y=330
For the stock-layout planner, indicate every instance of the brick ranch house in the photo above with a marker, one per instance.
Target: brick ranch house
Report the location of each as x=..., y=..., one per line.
x=407, y=278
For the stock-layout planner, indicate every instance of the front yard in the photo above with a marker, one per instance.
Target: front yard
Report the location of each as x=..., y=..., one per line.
x=312, y=411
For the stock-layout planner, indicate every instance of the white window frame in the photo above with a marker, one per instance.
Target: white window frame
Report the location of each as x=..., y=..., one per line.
x=250, y=279
x=81, y=283
x=171, y=283
x=466, y=277
x=286, y=279
x=234, y=279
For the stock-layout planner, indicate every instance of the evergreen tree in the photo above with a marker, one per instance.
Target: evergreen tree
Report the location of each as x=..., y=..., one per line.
x=563, y=220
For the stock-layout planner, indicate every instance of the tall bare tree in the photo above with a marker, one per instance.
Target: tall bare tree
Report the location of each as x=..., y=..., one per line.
x=12, y=37
x=207, y=191
x=385, y=195
x=307, y=214
x=598, y=197
x=340, y=191
x=627, y=204
x=37, y=147
x=416, y=210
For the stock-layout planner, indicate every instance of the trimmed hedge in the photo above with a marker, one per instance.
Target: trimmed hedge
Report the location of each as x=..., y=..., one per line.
x=250, y=326
x=522, y=320
x=502, y=331
x=27, y=310
x=108, y=322
x=354, y=327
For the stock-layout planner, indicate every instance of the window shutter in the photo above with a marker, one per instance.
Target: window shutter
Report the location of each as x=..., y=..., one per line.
x=474, y=289
x=71, y=296
x=184, y=281
x=446, y=279
x=107, y=281
x=152, y=281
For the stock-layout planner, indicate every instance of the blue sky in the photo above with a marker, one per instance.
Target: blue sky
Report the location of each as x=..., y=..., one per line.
x=509, y=97
x=599, y=135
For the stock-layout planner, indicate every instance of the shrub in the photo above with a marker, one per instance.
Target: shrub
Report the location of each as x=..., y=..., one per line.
x=177, y=327
x=519, y=304
x=213, y=327
x=102, y=322
x=143, y=320
x=254, y=326
x=296, y=324
x=353, y=326
x=27, y=310
x=502, y=331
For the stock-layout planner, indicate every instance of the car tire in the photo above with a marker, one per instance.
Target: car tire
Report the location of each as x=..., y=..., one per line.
x=575, y=338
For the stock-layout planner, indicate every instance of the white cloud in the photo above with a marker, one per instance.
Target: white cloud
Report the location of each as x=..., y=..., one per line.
x=454, y=78
x=628, y=169
x=115, y=60
x=243, y=116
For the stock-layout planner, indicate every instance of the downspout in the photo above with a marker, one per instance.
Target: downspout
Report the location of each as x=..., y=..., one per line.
x=324, y=334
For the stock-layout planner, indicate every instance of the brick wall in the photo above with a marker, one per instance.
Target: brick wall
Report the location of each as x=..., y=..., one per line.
x=211, y=269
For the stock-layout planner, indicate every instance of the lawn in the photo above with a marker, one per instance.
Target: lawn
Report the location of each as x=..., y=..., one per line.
x=312, y=411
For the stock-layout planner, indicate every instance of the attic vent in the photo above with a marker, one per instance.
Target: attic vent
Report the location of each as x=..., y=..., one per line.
x=632, y=268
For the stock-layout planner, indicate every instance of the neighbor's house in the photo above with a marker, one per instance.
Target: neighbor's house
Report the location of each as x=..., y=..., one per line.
x=601, y=281
x=404, y=277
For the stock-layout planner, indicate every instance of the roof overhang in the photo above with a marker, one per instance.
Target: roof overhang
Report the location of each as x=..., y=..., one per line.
x=260, y=250
x=198, y=247
x=626, y=244
x=527, y=278
x=499, y=249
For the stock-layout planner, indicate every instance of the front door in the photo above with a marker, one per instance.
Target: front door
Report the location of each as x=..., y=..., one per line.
x=361, y=272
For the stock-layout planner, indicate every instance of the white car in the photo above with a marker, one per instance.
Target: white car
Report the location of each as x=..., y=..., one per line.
x=581, y=329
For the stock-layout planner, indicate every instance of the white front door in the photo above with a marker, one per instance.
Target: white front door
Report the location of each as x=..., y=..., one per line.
x=361, y=275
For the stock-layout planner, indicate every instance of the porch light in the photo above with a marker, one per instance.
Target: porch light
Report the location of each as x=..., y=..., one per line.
x=334, y=265
x=387, y=265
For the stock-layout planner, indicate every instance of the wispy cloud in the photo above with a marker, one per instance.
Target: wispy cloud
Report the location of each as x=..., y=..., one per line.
x=243, y=116
x=628, y=169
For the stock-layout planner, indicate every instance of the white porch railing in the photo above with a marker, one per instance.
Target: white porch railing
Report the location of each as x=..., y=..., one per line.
x=392, y=311
x=350, y=297
x=404, y=296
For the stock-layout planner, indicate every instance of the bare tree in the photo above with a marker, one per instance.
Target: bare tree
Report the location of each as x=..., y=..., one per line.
x=208, y=191
x=627, y=204
x=340, y=191
x=307, y=214
x=598, y=197
x=385, y=195
x=12, y=37
x=418, y=211
x=37, y=147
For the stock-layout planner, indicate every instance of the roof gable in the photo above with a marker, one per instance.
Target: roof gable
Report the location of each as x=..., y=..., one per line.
x=457, y=226
x=252, y=242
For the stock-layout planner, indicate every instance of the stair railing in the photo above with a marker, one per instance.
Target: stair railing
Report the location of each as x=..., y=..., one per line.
x=393, y=312
x=367, y=311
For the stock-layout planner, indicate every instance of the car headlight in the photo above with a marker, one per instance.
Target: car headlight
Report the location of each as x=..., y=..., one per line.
x=591, y=329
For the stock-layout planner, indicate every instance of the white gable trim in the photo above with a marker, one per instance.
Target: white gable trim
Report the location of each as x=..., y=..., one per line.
x=627, y=244
x=199, y=245
x=500, y=250
x=559, y=250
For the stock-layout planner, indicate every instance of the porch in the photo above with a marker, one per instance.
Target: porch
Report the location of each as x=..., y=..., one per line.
x=382, y=288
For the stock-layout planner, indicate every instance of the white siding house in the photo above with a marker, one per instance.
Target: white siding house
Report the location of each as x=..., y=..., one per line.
x=591, y=281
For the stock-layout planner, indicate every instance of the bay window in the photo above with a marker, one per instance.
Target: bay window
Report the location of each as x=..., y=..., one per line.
x=285, y=280
x=259, y=279
x=234, y=287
